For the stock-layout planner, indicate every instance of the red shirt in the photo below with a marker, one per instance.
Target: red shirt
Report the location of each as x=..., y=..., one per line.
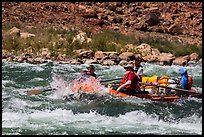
x=130, y=76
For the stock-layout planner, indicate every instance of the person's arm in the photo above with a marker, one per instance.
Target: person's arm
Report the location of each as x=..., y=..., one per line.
x=140, y=71
x=122, y=86
x=182, y=82
x=138, y=76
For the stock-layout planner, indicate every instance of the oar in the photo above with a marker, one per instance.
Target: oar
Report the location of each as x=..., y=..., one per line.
x=110, y=80
x=35, y=92
x=183, y=90
x=178, y=89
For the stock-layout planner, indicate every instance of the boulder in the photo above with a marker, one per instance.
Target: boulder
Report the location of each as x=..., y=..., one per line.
x=182, y=60
x=26, y=35
x=81, y=37
x=144, y=49
x=14, y=30
x=40, y=60
x=99, y=55
x=166, y=58
x=194, y=56
x=151, y=19
x=76, y=61
x=150, y=58
x=85, y=54
x=90, y=61
x=108, y=62
x=123, y=62
x=113, y=55
x=126, y=55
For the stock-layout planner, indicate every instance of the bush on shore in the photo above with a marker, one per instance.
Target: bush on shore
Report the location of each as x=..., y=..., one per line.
x=107, y=40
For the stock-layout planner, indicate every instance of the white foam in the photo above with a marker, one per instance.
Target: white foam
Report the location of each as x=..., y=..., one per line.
x=36, y=79
x=4, y=82
x=135, y=122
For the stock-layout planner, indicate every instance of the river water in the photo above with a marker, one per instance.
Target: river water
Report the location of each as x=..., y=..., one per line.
x=49, y=114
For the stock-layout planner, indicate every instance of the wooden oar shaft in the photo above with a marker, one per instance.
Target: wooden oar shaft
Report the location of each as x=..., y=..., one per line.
x=178, y=89
x=110, y=80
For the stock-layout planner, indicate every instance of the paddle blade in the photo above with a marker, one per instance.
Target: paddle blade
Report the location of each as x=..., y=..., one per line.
x=34, y=92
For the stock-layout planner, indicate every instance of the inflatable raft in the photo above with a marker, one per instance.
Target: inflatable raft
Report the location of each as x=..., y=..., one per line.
x=147, y=92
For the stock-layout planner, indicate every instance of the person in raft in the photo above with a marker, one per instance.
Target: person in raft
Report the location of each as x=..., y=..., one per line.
x=130, y=81
x=184, y=79
x=138, y=68
x=89, y=72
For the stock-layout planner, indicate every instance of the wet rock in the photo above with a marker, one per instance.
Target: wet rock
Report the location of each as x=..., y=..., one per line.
x=40, y=60
x=76, y=61
x=108, y=62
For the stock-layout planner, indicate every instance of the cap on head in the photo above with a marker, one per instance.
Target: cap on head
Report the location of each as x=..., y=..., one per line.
x=90, y=67
x=129, y=66
x=183, y=71
x=138, y=58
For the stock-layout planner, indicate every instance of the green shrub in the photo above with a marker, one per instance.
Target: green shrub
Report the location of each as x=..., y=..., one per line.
x=107, y=40
x=176, y=48
x=110, y=41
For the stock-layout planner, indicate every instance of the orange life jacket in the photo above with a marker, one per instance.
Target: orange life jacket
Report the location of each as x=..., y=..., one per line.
x=163, y=81
x=134, y=83
x=190, y=81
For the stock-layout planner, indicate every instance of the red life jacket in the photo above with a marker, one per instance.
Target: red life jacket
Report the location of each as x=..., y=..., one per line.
x=134, y=83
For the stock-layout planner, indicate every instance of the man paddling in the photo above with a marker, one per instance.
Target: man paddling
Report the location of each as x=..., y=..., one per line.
x=130, y=81
x=89, y=72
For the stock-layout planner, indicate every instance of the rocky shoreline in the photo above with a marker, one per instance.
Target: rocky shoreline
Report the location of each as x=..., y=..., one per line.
x=104, y=58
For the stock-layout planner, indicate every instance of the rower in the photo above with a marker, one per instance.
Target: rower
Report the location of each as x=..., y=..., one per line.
x=87, y=73
x=130, y=81
x=90, y=71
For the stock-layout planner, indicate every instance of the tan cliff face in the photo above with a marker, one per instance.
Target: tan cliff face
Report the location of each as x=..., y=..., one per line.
x=182, y=19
